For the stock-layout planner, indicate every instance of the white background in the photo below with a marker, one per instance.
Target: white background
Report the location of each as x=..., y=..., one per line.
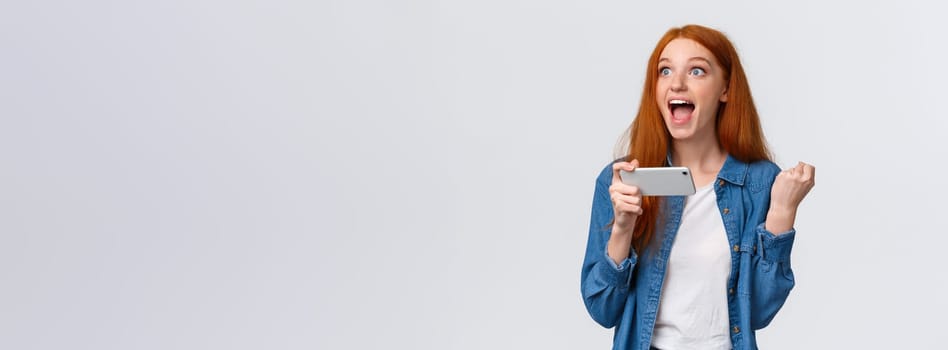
x=419, y=174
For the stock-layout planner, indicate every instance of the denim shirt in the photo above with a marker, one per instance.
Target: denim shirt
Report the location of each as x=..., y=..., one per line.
x=626, y=295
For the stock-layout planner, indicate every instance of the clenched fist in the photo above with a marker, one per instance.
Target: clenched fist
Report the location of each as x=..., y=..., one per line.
x=789, y=189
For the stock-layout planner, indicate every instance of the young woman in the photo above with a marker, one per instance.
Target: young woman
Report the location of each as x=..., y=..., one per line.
x=707, y=270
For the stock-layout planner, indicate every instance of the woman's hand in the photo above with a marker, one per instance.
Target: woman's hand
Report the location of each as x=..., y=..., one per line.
x=626, y=199
x=626, y=207
x=789, y=189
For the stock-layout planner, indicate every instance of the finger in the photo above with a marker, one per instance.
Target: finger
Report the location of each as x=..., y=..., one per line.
x=798, y=169
x=813, y=174
x=628, y=199
x=621, y=189
x=784, y=173
x=616, y=168
x=808, y=173
x=629, y=166
x=616, y=178
x=633, y=191
x=626, y=208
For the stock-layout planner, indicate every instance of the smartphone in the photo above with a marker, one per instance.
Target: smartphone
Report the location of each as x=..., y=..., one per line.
x=667, y=181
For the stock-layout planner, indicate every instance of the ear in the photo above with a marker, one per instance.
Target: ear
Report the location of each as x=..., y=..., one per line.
x=723, y=97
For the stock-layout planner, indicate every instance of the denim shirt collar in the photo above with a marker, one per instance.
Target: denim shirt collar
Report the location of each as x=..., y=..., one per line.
x=733, y=170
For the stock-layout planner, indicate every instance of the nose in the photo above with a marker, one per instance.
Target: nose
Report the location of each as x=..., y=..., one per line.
x=678, y=82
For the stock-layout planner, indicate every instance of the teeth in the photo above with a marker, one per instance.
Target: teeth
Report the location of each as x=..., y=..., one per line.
x=678, y=102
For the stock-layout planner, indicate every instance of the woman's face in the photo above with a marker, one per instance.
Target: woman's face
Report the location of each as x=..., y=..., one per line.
x=690, y=88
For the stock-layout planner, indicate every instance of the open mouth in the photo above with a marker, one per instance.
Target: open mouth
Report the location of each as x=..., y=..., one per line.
x=681, y=110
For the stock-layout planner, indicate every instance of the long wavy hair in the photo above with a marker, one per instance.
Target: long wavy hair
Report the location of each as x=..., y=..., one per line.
x=737, y=125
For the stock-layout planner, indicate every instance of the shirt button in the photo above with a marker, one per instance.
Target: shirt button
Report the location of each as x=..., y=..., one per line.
x=721, y=183
x=730, y=291
x=736, y=248
x=726, y=210
x=736, y=330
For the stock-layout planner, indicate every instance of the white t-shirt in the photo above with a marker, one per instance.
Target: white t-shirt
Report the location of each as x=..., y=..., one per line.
x=692, y=313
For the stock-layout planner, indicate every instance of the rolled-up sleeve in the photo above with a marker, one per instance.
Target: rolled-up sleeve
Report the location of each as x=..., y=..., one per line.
x=775, y=248
x=772, y=277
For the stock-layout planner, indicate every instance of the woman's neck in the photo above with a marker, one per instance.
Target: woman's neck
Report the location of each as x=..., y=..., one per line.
x=704, y=157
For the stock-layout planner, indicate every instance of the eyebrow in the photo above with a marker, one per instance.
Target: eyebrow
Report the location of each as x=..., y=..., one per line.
x=699, y=58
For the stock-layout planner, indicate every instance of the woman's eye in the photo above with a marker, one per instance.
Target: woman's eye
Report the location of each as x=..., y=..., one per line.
x=665, y=71
x=697, y=71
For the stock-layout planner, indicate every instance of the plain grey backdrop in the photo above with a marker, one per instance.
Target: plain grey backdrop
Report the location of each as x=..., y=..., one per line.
x=418, y=174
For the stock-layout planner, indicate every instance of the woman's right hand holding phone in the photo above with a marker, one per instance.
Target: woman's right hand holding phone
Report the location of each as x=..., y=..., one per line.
x=626, y=206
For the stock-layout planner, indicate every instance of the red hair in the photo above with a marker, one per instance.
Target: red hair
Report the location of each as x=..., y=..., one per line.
x=737, y=124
